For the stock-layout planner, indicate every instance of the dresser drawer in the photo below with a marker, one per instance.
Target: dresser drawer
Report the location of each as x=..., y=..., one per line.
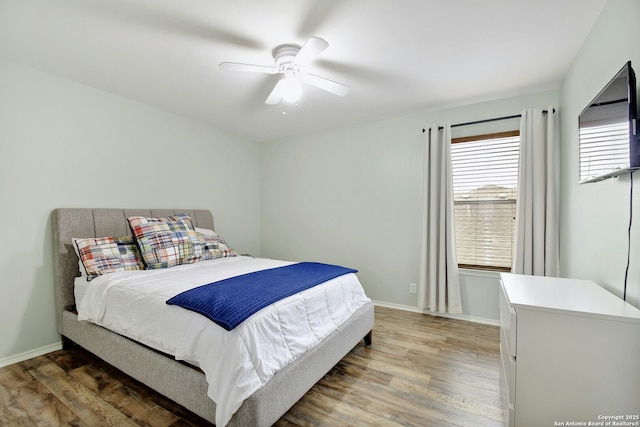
x=507, y=386
x=508, y=320
x=509, y=372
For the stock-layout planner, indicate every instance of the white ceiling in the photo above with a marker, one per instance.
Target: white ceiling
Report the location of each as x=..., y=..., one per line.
x=398, y=56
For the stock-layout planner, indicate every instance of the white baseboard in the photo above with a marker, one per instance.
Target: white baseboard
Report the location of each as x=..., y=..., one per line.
x=465, y=317
x=29, y=354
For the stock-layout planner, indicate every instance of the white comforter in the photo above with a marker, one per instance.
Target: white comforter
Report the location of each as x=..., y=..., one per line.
x=238, y=362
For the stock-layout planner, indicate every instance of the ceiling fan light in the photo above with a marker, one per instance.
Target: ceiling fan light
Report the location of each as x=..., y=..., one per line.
x=291, y=90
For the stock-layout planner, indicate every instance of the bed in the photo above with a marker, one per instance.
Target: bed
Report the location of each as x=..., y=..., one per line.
x=176, y=379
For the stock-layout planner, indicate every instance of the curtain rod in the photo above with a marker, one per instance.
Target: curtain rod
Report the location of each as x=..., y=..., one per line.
x=495, y=119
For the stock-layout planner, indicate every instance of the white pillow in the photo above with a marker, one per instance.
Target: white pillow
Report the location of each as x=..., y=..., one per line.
x=83, y=271
x=205, y=231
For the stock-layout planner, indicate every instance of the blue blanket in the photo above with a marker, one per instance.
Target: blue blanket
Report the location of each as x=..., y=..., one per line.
x=231, y=301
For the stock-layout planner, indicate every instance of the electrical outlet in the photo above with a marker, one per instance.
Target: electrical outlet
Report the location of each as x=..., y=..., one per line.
x=412, y=288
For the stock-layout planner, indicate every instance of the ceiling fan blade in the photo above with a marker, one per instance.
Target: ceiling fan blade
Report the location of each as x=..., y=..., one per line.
x=276, y=94
x=313, y=47
x=317, y=15
x=251, y=68
x=325, y=84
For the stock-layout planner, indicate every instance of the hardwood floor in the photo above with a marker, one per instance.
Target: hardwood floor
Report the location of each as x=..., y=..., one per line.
x=420, y=371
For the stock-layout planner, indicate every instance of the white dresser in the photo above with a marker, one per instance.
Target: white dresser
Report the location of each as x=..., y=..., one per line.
x=570, y=353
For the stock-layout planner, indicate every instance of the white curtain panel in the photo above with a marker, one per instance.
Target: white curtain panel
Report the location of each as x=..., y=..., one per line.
x=536, y=227
x=438, y=285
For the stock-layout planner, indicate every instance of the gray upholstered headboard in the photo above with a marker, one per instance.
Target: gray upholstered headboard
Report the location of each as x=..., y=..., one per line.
x=102, y=222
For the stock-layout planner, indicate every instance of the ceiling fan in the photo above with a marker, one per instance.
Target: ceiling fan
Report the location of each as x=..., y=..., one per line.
x=290, y=60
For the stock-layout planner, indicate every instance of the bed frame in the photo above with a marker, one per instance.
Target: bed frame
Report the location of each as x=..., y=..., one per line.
x=177, y=380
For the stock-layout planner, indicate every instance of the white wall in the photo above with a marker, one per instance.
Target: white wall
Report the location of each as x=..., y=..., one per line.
x=66, y=145
x=352, y=196
x=595, y=216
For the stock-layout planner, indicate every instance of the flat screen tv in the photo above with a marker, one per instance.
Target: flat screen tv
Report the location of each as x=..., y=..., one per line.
x=609, y=144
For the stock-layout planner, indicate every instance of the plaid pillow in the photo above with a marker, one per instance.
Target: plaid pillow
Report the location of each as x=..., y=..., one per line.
x=129, y=253
x=214, y=246
x=166, y=241
x=104, y=255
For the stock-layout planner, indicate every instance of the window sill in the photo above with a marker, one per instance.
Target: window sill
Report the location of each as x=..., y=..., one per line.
x=479, y=272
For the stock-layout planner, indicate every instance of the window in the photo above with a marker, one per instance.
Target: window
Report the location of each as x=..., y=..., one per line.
x=485, y=177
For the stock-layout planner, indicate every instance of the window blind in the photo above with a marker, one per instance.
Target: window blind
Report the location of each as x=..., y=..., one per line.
x=485, y=178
